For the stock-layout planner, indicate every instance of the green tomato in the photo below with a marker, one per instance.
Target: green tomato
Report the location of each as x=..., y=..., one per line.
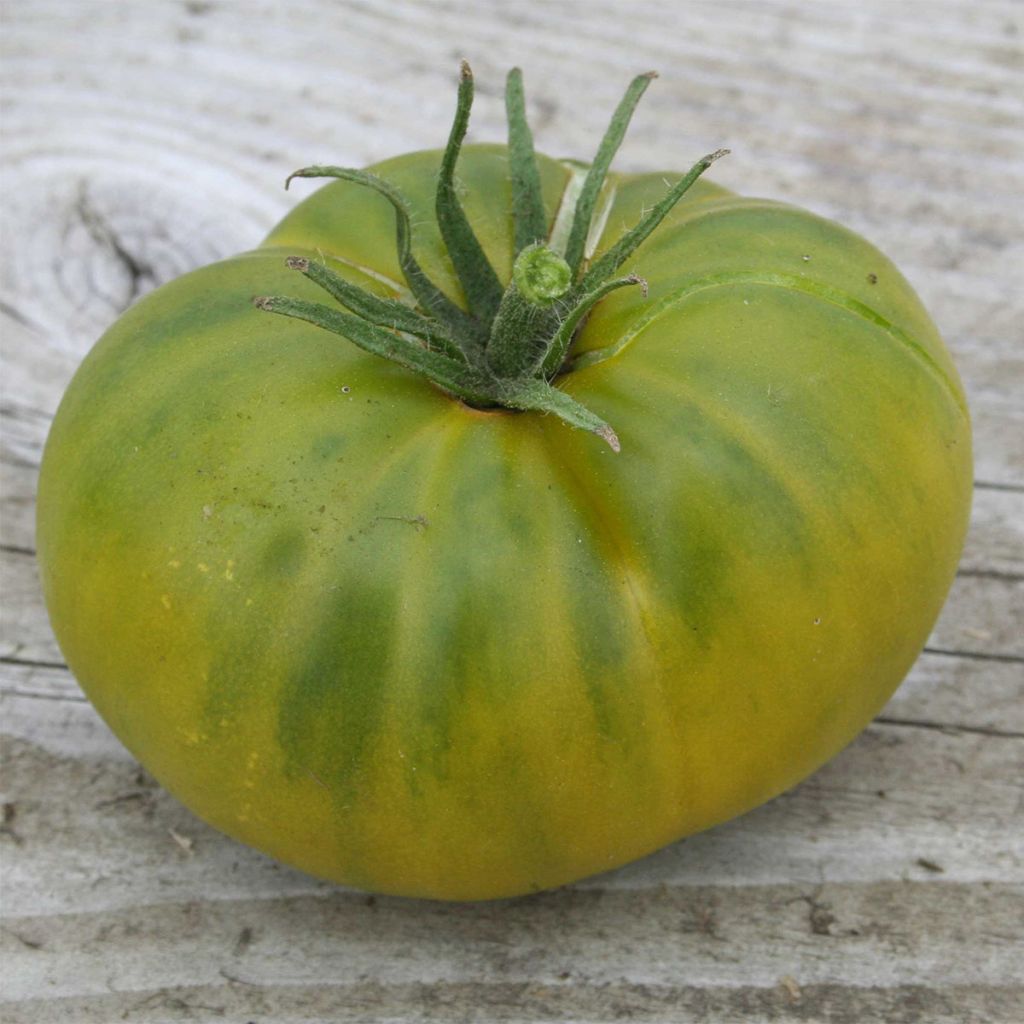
x=427, y=648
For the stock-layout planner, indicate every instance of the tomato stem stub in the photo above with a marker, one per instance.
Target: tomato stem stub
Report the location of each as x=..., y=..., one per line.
x=513, y=341
x=521, y=332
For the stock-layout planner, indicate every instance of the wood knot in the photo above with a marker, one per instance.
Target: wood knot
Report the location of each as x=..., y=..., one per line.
x=95, y=246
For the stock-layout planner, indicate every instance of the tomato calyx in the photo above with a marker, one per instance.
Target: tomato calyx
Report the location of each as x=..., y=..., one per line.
x=511, y=342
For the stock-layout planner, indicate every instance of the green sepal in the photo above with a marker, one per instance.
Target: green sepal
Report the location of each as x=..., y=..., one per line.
x=455, y=377
x=536, y=395
x=467, y=330
x=528, y=216
x=383, y=312
x=611, y=260
x=479, y=281
x=559, y=347
x=595, y=179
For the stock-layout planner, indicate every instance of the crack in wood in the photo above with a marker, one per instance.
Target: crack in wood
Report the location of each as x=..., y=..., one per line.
x=140, y=273
x=949, y=729
x=11, y=659
x=967, y=573
x=945, y=652
x=16, y=411
x=17, y=549
x=991, y=485
x=991, y=574
x=71, y=698
x=12, y=311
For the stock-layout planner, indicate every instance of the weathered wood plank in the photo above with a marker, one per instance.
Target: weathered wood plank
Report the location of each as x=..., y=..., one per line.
x=896, y=803
x=141, y=141
x=961, y=692
x=25, y=632
x=924, y=934
x=943, y=690
x=982, y=615
x=567, y=1000
x=103, y=187
x=862, y=899
x=995, y=540
x=18, y=482
x=995, y=543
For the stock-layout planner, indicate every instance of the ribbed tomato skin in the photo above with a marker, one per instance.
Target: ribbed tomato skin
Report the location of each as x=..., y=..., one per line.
x=428, y=650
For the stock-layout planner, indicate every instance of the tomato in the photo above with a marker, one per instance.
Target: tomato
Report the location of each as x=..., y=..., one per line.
x=440, y=647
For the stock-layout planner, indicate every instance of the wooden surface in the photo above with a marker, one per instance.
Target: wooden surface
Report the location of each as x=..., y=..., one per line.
x=143, y=139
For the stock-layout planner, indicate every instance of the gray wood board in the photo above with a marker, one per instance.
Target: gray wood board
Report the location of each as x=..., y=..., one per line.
x=143, y=140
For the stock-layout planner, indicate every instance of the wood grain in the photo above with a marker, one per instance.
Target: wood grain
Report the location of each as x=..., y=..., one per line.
x=143, y=140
